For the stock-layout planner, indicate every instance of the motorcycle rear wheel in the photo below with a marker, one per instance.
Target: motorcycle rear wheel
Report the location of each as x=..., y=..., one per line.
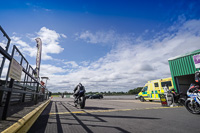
x=194, y=109
x=75, y=103
x=82, y=102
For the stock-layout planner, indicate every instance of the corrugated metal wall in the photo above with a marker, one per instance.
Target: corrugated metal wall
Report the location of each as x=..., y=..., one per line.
x=182, y=65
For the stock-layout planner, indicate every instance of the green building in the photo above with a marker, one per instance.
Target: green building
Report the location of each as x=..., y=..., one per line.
x=183, y=68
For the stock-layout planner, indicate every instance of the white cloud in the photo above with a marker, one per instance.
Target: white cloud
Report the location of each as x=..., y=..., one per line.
x=50, y=70
x=23, y=46
x=5, y=69
x=48, y=10
x=63, y=35
x=3, y=44
x=98, y=37
x=85, y=63
x=132, y=63
x=50, y=43
x=72, y=64
x=128, y=65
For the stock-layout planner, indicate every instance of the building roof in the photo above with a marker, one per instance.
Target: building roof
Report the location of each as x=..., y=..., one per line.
x=186, y=54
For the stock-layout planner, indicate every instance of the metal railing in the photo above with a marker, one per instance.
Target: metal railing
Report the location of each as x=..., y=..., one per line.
x=15, y=92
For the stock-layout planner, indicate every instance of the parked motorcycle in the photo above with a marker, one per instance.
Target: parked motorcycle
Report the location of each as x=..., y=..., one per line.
x=192, y=103
x=79, y=101
x=178, y=98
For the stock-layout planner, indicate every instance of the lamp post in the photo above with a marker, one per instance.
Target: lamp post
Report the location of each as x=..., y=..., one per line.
x=45, y=85
x=45, y=78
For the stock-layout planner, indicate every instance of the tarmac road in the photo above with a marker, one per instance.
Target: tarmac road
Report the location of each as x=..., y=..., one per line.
x=114, y=116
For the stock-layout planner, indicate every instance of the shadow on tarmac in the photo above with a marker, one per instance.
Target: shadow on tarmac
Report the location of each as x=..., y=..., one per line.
x=41, y=123
x=114, y=116
x=97, y=108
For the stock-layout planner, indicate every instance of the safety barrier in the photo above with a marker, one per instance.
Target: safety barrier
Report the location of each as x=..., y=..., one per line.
x=27, y=88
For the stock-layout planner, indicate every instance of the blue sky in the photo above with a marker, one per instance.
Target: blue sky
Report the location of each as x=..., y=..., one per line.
x=114, y=45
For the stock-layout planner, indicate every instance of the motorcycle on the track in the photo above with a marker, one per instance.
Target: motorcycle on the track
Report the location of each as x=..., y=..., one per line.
x=192, y=103
x=79, y=101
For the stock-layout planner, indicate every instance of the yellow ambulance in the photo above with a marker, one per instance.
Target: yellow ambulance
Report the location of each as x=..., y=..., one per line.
x=153, y=88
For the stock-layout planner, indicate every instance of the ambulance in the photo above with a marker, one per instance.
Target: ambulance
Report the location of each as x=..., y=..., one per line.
x=153, y=88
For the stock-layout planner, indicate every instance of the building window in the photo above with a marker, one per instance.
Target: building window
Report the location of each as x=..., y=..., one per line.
x=166, y=83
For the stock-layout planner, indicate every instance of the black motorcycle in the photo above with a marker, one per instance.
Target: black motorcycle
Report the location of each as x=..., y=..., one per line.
x=79, y=101
x=179, y=99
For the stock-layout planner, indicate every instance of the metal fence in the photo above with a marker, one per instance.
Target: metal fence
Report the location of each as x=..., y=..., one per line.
x=15, y=92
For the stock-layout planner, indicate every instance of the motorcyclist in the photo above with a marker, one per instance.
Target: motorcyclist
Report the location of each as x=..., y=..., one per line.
x=195, y=87
x=78, y=91
x=197, y=76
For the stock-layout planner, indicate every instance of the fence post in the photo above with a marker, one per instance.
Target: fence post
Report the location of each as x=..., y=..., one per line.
x=36, y=95
x=7, y=46
x=5, y=110
x=1, y=97
x=24, y=95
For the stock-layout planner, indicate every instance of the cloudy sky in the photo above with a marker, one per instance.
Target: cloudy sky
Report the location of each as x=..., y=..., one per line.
x=114, y=45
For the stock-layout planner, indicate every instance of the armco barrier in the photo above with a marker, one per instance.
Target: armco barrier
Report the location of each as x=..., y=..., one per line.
x=25, y=123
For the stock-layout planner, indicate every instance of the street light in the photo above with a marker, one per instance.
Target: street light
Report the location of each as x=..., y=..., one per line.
x=45, y=85
x=45, y=78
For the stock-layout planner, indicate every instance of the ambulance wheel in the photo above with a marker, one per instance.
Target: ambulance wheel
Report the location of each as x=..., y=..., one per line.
x=150, y=100
x=142, y=99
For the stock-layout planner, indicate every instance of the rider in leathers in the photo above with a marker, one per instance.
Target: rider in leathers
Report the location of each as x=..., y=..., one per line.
x=77, y=90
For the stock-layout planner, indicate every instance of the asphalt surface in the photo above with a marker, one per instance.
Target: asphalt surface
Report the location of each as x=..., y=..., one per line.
x=114, y=116
x=16, y=112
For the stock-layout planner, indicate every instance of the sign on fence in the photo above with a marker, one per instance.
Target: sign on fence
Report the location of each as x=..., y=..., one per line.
x=15, y=71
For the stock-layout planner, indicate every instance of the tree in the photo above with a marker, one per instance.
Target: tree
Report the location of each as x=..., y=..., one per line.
x=135, y=91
